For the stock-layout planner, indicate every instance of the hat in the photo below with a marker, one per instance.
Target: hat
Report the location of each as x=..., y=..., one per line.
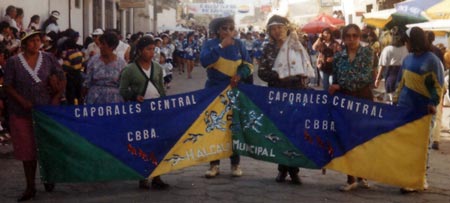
x=164, y=35
x=29, y=33
x=97, y=31
x=277, y=20
x=55, y=14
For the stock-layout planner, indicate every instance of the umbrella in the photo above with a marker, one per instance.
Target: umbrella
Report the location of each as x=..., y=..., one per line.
x=330, y=20
x=378, y=19
x=440, y=10
x=401, y=20
x=415, y=7
x=316, y=26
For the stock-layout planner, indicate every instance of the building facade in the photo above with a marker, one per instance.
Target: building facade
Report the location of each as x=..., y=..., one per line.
x=85, y=16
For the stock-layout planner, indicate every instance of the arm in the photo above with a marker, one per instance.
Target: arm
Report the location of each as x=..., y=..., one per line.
x=245, y=71
x=209, y=54
x=57, y=81
x=127, y=54
x=125, y=85
x=434, y=82
x=9, y=77
x=317, y=44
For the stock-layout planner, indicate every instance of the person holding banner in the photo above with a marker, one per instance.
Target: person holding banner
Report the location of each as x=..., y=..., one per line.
x=352, y=75
x=271, y=70
x=31, y=78
x=140, y=80
x=227, y=62
x=421, y=81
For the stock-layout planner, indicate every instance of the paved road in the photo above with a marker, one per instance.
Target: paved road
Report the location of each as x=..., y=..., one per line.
x=256, y=185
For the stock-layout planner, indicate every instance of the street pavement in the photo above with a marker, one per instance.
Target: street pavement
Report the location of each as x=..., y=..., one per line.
x=256, y=185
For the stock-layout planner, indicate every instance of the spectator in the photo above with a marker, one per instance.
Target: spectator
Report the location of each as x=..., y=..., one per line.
x=391, y=59
x=34, y=22
x=93, y=48
x=10, y=16
x=101, y=84
x=19, y=19
x=51, y=23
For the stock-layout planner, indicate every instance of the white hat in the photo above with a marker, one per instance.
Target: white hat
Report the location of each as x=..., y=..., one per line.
x=97, y=31
x=55, y=14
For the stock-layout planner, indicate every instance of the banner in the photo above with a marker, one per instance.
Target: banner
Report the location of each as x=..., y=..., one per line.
x=311, y=129
x=212, y=9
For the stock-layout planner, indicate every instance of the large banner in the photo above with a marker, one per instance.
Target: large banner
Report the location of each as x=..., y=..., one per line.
x=310, y=129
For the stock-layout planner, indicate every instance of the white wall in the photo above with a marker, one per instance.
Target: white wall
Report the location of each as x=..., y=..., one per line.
x=43, y=9
x=167, y=18
x=351, y=7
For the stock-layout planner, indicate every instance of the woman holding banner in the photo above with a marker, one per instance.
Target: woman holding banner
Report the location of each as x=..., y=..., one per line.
x=227, y=62
x=278, y=51
x=140, y=80
x=31, y=78
x=352, y=75
x=421, y=80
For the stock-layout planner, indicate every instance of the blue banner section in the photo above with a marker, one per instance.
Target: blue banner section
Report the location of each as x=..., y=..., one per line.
x=138, y=134
x=327, y=126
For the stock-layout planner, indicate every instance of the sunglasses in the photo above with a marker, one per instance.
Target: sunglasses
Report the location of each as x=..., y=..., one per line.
x=225, y=28
x=351, y=36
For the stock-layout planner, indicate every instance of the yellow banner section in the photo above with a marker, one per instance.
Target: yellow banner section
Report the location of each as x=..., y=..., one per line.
x=208, y=139
x=401, y=148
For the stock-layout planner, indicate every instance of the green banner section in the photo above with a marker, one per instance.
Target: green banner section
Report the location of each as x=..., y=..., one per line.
x=254, y=135
x=66, y=157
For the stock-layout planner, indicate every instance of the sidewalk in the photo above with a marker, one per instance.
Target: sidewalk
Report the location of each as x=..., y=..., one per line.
x=256, y=185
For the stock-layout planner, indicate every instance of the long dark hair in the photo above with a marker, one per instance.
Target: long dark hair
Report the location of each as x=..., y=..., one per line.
x=417, y=40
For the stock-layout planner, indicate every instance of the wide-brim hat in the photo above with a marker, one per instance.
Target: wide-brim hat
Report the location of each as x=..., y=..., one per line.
x=98, y=31
x=27, y=34
x=55, y=14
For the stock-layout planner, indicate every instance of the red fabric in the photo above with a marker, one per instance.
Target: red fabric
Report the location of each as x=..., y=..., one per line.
x=23, y=139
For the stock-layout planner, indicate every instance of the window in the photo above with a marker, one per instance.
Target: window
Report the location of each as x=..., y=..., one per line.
x=77, y=3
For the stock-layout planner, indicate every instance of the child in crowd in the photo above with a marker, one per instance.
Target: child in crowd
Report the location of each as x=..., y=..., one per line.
x=167, y=70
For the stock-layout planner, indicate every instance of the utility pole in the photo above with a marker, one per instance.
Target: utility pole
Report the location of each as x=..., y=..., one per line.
x=155, y=16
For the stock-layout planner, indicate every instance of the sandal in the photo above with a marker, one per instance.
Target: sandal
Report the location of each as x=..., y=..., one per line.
x=158, y=184
x=49, y=187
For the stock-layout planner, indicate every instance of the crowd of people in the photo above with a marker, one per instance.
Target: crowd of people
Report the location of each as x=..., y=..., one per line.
x=42, y=65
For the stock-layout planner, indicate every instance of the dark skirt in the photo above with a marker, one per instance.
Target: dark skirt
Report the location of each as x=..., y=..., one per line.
x=391, y=78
